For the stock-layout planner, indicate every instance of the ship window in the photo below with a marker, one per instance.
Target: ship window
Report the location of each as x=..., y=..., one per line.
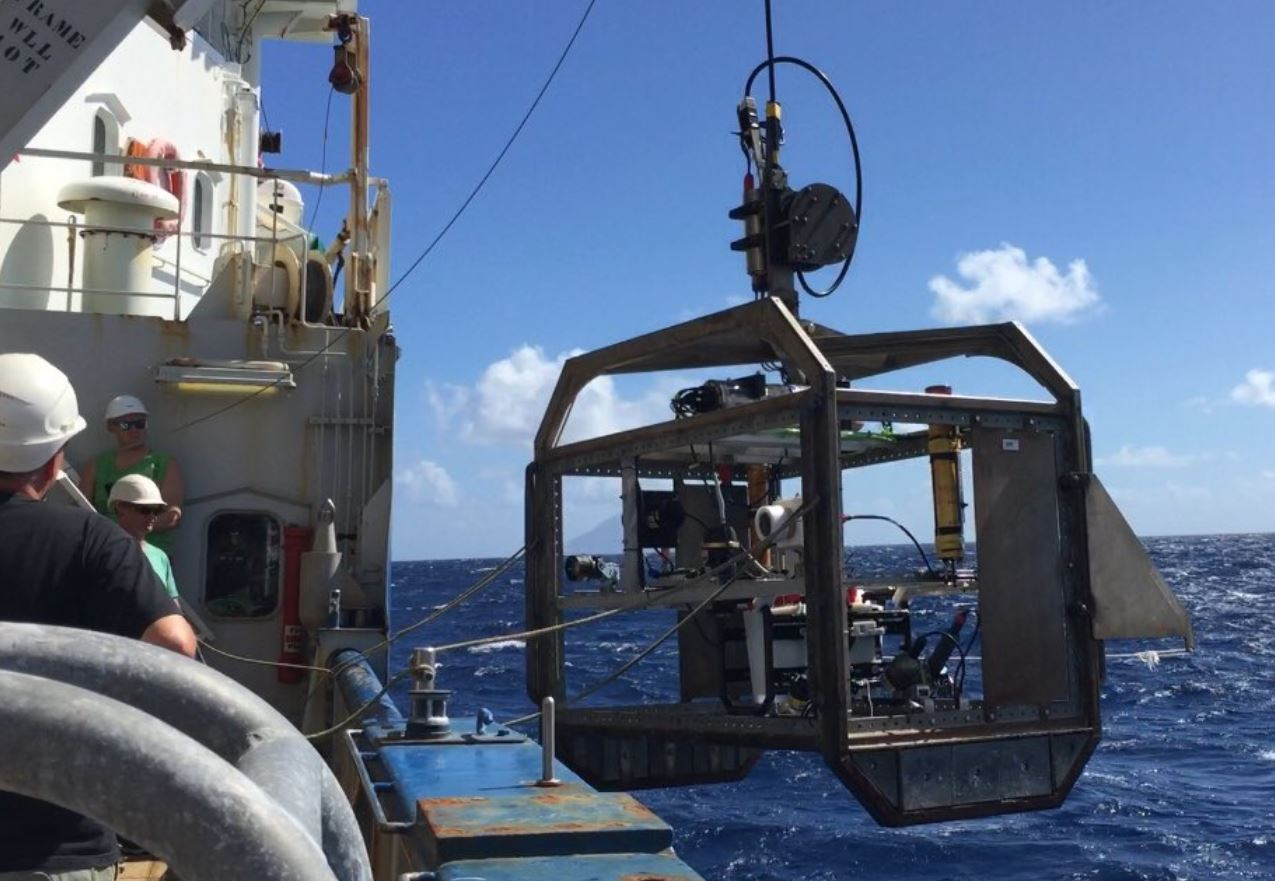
x=106, y=139
x=201, y=211
x=241, y=575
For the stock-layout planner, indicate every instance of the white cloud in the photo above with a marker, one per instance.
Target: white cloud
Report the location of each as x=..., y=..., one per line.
x=1003, y=286
x=446, y=402
x=1200, y=404
x=1258, y=389
x=1183, y=493
x=1145, y=457
x=427, y=481
x=509, y=399
x=1269, y=475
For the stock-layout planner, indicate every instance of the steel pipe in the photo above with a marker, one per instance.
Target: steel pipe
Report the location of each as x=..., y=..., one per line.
x=149, y=782
x=212, y=709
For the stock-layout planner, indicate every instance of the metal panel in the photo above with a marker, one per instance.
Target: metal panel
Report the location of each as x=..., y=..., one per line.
x=613, y=761
x=1021, y=592
x=1130, y=597
x=608, y=867
x=541, y=822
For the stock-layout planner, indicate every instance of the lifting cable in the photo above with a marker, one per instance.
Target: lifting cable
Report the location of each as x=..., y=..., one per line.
x=763, y=545
x=487, y=579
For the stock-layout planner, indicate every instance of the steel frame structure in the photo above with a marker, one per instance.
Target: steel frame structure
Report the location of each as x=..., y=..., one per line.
x=1024, y=745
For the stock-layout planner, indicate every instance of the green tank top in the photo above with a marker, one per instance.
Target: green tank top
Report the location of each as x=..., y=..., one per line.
x=153, y=465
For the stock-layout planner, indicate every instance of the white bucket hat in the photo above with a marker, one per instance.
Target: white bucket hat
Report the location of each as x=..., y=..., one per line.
x=136, y=489
x=125, y=405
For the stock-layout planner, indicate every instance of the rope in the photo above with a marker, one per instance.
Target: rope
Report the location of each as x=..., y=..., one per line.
x=528, y=634
x=633, y=661
x=389, y=683
x=464, y=595
x=260, y=661
x=389, y=640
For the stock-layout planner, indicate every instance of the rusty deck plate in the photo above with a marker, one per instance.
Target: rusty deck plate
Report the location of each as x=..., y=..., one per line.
x=541, y=822
x=602, y=867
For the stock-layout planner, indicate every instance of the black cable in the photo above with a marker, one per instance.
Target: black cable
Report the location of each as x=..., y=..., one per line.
x=770, y=51
x=499, y=156
x=854, y=149
x=425, y=253
x=969, y=646
x=323, y=167
x=919, y=549
x=950, y=638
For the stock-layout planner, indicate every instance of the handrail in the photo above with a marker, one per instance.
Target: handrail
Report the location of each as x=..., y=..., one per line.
x=296, y=175
x=383, y=823
x=72, y=225
x=174, y=259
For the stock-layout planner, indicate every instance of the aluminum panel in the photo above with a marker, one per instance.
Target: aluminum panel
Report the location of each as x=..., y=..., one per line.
x=1021, y=592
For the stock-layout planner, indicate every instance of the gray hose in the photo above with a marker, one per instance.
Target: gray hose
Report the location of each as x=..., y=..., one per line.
x=149, y=782
x=211, y=708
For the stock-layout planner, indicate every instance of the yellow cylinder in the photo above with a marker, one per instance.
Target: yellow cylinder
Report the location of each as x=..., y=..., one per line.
x=945, y=476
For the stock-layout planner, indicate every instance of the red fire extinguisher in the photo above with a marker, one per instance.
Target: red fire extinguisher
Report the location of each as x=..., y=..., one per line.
x=296, y=539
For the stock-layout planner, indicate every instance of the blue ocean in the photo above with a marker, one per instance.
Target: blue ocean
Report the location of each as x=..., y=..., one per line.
x=1181, y=787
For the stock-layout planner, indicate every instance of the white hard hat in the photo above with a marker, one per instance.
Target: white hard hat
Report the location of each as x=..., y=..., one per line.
x=282, y=197
x=38, y=412
x=136, y=489
x=125, y=405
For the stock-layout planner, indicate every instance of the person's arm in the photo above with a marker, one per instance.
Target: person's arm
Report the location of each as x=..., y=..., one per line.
x=172, y=632
x=173, y=489
x=124, y=595
x=88, y=476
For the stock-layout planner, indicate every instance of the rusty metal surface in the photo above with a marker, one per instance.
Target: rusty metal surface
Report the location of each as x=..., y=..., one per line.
x=540, y=822
x=954, y=781
x=609, y=867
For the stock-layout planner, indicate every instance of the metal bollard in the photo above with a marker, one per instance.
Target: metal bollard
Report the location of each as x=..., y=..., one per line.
x=547, y=736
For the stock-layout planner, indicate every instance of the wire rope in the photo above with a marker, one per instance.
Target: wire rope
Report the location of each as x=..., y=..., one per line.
x=428, y=248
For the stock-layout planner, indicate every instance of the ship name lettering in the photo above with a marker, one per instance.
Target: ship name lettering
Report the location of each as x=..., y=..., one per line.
x=24, y=34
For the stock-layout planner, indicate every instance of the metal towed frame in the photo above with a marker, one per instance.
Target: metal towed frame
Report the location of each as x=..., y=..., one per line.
x=1024, y=746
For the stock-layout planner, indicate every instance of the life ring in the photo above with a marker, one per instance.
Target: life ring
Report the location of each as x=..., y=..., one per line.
x=171, y=179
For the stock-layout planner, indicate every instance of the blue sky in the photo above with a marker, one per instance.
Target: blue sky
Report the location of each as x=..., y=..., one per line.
x=1103, y=171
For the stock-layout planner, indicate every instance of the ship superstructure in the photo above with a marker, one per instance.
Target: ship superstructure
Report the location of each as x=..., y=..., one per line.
x=147, y=250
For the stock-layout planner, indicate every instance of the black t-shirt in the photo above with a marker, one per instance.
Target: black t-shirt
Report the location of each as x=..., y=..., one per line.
x=67, y=566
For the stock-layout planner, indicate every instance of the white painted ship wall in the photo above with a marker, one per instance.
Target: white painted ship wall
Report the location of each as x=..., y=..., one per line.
x=145, y=89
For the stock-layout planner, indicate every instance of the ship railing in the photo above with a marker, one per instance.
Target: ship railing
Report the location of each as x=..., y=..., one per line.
x=180, y=274
x=184, y=277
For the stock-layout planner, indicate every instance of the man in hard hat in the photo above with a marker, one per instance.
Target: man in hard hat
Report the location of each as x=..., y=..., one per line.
x=68, y=566
x=127, y=420
x=136, y=504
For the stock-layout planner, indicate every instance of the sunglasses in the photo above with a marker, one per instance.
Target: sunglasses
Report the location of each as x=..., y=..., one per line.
x=137, y=422
x=149, y=511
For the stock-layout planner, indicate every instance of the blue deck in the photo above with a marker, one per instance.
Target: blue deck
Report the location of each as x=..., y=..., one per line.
x=477, y=813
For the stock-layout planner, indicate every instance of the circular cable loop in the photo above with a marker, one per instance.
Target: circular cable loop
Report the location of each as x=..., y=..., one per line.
x=769, y=64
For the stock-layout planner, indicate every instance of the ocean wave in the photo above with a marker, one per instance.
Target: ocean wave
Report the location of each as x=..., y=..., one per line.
x=1179, y=788
x=497, y=646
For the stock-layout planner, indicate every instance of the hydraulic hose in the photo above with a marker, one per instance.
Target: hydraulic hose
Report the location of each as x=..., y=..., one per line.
x=209, y=707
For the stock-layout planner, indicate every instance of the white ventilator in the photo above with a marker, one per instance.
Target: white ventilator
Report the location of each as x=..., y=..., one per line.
x=778, y=520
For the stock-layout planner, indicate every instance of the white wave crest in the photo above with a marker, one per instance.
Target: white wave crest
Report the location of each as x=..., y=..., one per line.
x=496, y=646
